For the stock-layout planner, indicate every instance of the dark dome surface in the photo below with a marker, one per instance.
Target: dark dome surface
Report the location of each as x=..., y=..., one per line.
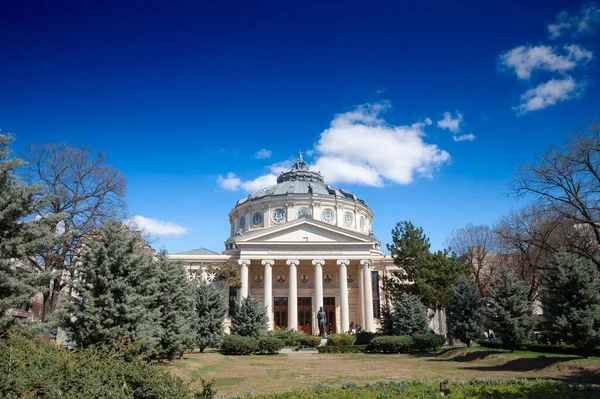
x=300, y=180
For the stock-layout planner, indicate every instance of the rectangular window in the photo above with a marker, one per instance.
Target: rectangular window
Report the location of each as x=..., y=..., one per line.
x=376, y=301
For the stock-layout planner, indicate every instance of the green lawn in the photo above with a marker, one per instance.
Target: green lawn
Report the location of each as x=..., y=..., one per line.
x=262, y=373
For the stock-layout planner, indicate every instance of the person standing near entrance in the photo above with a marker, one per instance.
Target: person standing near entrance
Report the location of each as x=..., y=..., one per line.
x=322, y=320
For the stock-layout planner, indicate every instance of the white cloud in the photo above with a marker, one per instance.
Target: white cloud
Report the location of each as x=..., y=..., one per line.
x=361, y=147
x=584, y=21
x=279, y=167
x=263, y=154
x=234, y=183
x=231, y=182
x=449, y=123
x=464, y=137
x=526, y=59
x=155, y=226
x=259, y=183
x=547, y=94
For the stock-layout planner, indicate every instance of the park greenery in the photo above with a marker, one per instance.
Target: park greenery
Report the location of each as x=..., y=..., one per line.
x=127, y=308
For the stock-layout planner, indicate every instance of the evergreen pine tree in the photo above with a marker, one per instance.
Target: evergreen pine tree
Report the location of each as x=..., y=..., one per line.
x=572, y=299
x=465, y=314
x=409, y=315
x=176, y=305
x=211, y=308
x=250, y=318
x=386, y=321
x=509, y=311
x=17, y=236
x=116, y=287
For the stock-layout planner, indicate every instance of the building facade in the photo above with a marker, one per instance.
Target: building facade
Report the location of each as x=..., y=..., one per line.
x=299, y=245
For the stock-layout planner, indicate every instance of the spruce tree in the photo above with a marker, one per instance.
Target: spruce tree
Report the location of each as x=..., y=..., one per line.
x=409, y=315
x=176, y=305
x=571, y=298
x=18, y=236
x=211, y=308
x=250, y=318
x=466, y=313
x=116, y=288
x=509, y=311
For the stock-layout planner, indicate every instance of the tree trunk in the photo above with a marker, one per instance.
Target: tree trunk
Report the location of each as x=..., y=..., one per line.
x=51, y=299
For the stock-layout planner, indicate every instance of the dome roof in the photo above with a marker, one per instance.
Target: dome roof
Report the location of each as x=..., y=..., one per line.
x=300, y=180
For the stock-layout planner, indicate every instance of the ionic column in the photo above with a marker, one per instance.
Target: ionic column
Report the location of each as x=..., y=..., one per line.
x=344, y=323
x=361, y=287
x=318, y=263
x=367, y=293
x=268, y=300
x=293, y=295
x=244, y=277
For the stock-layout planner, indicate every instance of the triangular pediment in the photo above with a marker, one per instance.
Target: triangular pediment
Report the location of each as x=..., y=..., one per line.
x=303, y=231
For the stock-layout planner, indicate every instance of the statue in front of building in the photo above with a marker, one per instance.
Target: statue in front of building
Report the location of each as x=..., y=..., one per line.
x=322, y=321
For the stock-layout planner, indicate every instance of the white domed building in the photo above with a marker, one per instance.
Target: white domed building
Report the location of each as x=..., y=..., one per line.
x=299, y=245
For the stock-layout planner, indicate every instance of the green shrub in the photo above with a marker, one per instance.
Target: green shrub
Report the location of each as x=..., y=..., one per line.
x=270, y=345
x=537, y=347
x=289, y=337
x=391, y=344
x=341, y=340
x=429, y=341
x=517, y=388
x=364, y=338
x=33, y=369
x=238, y=345
x=342, y=349
x=309, y=341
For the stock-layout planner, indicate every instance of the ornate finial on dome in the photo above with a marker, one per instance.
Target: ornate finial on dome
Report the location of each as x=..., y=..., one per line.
x=300, y=156
x=300, y=172
x=300, y=164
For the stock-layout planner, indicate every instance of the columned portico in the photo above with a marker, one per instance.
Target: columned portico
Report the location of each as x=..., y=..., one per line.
x=244, y=263
x=344, y=317
x=268, y=289
x=367, y=293
x=293, y=294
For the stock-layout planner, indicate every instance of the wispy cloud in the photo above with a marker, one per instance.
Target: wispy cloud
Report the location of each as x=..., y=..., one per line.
x=452, y=124
x=155, y=226
x=464, y=137
x=525, y=60
x=233, y=183
x=263, y=154
x=584, y=21
x=547, y=94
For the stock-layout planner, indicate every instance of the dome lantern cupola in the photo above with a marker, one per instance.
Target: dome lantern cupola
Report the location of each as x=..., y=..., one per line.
x=300, y=172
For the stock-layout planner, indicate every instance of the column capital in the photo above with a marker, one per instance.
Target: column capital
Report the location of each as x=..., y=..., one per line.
x=320, y=262
x=366, y=262
x=244, y=262
x=269, y=262
x=294, y=262
x=344, y=262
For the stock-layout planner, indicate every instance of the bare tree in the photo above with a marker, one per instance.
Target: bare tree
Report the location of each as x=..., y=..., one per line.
x=80, y=192
x=477, y=246
x=530, y=235
x=566, y=182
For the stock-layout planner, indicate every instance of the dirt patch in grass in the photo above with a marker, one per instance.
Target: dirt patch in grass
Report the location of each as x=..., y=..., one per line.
x=241, y=374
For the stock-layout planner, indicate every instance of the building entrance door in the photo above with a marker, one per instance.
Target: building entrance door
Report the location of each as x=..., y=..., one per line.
x=305, y=315
x=329, y=308
x=280, y=310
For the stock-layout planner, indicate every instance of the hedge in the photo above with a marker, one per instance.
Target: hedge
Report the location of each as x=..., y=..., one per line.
x=391, y=344
x=424, y=342
x=270, y=345
x=289, y=337
x=341, y=340
x=517, y=388
x=537, y=347
x=342, y=349
x=309, y=341
x=405, y=343
x=238, y=345
x=33, y=369
x=365, y=337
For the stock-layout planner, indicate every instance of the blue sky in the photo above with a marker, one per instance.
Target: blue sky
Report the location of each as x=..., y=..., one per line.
x=423, y=110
